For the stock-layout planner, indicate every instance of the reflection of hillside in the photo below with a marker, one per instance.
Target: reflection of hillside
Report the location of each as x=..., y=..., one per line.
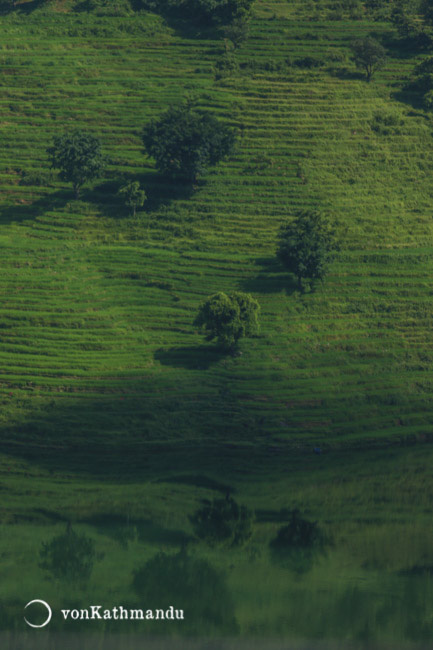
x=191, y=584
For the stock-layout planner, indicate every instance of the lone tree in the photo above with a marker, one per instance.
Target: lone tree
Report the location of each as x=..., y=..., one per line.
x=78, y=157
x=185, y=142
x=307, y=245
x=369, y=55
x=223, y=521
x=227, y=318
x=133, y=196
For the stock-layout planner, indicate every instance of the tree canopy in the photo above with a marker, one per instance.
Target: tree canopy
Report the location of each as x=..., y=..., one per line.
x=227, y=318
x=369, y=55
x=78, y=157
x=306, y=245
x=185, y=142
x=204, y=12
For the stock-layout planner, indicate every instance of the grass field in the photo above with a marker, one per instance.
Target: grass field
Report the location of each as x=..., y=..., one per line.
x=114, y=406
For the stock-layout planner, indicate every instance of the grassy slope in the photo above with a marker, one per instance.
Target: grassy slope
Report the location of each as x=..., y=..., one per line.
x=100, y=368
x=98, y=309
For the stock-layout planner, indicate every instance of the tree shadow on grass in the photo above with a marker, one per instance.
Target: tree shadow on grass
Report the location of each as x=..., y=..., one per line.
x=414, y=99
x=27, y=211
x=271, y=279
x=160, y=193
x=24, y=7
x=142, y=431
x=406, y=48
x=199, y=357
x=347, y=74
x=185, y=26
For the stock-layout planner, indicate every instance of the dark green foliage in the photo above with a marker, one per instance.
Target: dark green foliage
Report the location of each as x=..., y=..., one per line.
x=133, y=196
x=78, y=157
x=308, y=62
x=204, y=12
x=219, y=11
x=237, y=32
x=106, y=7
x=226, y=65
x=297, y=544
x=228, y=318
x=185, y=142
x=40, y=177
x=421, y=82
x=191, y=584
x=413, y=20
x=387, y=122
x=223, y=521
x=426, y=10
x=68, y=557
x=307, y=245
x=369, y=55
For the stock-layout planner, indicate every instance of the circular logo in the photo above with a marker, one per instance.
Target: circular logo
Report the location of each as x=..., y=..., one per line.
x=50, y=613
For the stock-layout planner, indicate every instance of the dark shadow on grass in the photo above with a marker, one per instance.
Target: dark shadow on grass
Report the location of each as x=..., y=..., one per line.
x=414, y=99
x=406, y=48
x=23, y=212
x=199, y=357
x=184, y=26
x=26, y=8
x=170, y=429
x=347, y=74
x=160, y=192
x=271, y=278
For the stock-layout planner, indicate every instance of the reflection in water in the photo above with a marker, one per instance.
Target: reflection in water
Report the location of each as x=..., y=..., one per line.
x=298, y=544
x=68, y=557
x=191, y=584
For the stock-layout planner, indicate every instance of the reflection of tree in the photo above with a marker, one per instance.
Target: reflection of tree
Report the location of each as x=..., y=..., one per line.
x=69, y=556
x=223, y=521
x=191, y=584
x=298, y=544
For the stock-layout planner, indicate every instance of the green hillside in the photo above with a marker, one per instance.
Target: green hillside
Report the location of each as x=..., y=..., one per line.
x=113, y=405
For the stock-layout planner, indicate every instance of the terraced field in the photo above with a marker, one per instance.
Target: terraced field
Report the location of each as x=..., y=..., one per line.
x=102, y=373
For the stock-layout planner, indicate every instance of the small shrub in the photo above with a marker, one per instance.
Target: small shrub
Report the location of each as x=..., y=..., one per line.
x=38, y=178
x=308, y=62
x=226, y=66
x=387, y=123
x=133, y=196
